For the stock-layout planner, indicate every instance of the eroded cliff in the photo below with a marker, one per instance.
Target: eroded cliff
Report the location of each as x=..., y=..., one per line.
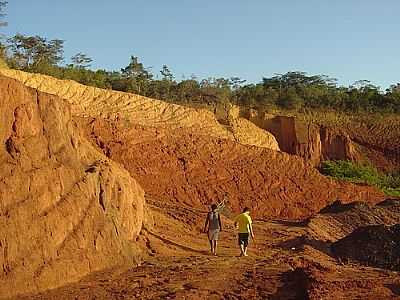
x=65, y=209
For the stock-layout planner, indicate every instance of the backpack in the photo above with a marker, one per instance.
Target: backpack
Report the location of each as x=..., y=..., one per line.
x=213, y=219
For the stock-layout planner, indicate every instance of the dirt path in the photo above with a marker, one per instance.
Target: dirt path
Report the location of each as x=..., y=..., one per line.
x=179, y=266
x=194, y=277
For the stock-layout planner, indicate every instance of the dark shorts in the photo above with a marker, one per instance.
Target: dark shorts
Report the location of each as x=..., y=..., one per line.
x=243, y=239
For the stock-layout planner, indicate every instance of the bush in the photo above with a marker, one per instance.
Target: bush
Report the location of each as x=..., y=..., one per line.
x=362, y=173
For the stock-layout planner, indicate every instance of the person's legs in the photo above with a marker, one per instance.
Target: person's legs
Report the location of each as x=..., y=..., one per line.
x=241, y=244
x=245, y=244
x=215, y=246
x=241, y=250
x=213, y=238
x=211, y=246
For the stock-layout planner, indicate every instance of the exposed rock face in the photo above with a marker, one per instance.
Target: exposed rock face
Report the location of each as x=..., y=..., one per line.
x=378, y=139
x=296, y=137
x=310, y=141
x=246, y=133
x=65, y=209
x=336, y=145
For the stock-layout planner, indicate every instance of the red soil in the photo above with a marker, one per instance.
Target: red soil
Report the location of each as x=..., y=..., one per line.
x=380, y=142
x=179, y=267
x=187, y=168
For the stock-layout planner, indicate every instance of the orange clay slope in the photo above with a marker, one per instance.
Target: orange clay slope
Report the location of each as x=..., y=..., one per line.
x=184, y=155
x=94, y=102
x=184, y=167
x=65, y=209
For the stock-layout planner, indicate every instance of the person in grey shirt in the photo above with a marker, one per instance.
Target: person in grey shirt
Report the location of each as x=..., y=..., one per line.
x=213, y=226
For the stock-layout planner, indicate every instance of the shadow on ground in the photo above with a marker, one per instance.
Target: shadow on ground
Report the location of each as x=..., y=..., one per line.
x=298, y=243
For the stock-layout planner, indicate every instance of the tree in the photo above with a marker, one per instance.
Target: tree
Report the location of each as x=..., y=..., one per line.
x=360, y=84
x=135, y=69
x=236, y=82
x=166, y=73
x=188, y=91
x=137, y=77
x=291, y=99
x=81, y=61
x=392, y=98
x=394, y=88
x=29, y=52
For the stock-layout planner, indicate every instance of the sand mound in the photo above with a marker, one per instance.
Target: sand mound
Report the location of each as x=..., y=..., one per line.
x=375, y=245
x=94, y=102
x=65, y=209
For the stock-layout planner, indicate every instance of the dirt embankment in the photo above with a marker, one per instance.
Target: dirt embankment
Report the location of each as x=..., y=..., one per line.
x=379, y=141
x=65, y=209
x=376, y=141
x=365, y=234
x=344, y=249
x=313, y=142
x=360, y=233
x=373, y=245
x=94, y=102
x=186, y=155
x=183, y=167
x=338, y=220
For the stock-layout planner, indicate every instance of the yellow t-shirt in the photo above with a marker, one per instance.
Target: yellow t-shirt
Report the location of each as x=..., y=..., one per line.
x=243, y=220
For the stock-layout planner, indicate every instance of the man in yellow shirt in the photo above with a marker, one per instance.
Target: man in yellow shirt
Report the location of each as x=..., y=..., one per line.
x=243, y=223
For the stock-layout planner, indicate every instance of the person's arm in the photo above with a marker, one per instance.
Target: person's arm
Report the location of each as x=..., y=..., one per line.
x=235, y=222
x=251, y=231
x=220, y=223
x=206, y=224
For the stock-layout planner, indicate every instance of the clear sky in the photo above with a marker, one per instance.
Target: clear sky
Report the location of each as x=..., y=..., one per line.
x=346, y=39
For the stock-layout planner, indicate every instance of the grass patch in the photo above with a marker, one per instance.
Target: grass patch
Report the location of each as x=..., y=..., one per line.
x=362, y=173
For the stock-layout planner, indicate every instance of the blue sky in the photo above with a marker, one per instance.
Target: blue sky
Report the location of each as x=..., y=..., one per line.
x=345, y=39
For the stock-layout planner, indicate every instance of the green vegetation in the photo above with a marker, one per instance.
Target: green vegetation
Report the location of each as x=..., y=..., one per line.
x=363, y=173
x=294, y=91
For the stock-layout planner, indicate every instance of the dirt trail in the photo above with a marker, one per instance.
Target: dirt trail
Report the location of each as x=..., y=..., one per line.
x=179, y=267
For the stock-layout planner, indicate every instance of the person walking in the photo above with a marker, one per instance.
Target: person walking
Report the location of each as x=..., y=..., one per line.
x=213, y=226
x=243, y=223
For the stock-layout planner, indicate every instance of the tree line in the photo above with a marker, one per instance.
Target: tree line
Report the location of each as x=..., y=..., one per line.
x=293, y=90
